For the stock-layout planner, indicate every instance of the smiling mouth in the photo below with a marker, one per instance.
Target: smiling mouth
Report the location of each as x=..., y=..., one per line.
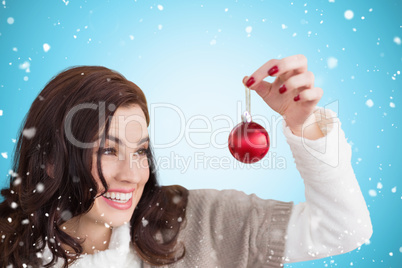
x=118, y=197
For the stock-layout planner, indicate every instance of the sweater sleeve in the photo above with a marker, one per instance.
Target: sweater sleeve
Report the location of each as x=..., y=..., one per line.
x=232, y=229
x=334, y=219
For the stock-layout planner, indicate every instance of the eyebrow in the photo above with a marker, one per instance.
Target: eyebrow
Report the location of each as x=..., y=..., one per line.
x=115, y=139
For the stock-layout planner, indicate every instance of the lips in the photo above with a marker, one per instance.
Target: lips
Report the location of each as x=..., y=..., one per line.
x=121, y=199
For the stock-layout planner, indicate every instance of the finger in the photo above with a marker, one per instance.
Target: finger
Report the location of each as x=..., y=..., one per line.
x=275, y=67
x=301, y=81
x=311, y=95
x=263, y=88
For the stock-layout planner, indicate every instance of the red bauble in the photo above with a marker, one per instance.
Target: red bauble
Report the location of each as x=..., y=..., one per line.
x=248, y=142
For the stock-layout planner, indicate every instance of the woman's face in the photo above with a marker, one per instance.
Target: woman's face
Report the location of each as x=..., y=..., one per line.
x=124, y=167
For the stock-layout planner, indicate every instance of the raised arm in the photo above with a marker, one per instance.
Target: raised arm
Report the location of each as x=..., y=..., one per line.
x=334, y=219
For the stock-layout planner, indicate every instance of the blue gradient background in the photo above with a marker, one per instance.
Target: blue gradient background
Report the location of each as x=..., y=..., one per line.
x=196, y=60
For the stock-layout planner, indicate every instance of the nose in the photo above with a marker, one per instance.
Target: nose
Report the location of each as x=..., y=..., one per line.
x=129, y=171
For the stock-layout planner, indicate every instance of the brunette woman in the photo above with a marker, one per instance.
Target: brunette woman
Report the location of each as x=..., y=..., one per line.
x=83, y=191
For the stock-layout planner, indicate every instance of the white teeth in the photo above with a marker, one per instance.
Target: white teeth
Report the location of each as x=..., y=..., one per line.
x=118, y=197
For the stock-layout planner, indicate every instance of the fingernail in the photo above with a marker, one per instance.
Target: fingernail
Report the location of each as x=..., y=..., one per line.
x=282, y=89
x=250, y=82
x=297, y=98
x=273, y=70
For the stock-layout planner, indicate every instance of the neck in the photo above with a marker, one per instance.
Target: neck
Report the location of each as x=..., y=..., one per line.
x=94, y=236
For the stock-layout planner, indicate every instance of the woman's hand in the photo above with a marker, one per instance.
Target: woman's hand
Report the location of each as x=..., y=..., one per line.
x=292, y=94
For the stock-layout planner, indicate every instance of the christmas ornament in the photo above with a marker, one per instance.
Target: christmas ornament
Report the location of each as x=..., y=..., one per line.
x=248, y=141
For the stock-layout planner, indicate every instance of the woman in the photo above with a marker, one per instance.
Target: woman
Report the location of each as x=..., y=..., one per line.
x=84, y=192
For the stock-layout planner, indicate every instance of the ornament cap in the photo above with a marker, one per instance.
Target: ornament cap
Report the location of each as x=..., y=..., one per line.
x=246, y=117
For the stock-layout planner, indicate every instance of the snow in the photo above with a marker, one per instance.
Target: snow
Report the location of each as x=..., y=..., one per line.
x=66, y=215
x=179, y=219
x=332, y=62
x=4, y=155
x=29, y=133
x=25, y=66
x=160, y=7
x=40, y=187
x=393, y=190
x=397, y=40
x=249, y=29
x=392, y=105
x=349, y=14
x=379, y=185
x=13, y=205
x=160, y=27
x=10, y=20
x=213, y=42
x=46, y=47
x=369, y=103
x=25, y=221
x=1, y=112
x=284, y=26
x=372, y=193
x=144, y=222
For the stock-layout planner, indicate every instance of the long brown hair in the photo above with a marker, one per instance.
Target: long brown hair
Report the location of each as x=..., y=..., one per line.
x=37, y=204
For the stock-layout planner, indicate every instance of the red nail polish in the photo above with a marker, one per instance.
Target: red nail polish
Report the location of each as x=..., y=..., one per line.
x=273, y=70
x=250, y=82
x=282, y=89
x=297, y=98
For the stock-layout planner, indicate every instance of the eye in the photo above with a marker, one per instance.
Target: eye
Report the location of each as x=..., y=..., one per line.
x=108, y=151
x=142, y=151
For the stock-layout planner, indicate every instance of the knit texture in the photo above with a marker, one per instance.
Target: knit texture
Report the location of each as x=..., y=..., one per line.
x=231, y=229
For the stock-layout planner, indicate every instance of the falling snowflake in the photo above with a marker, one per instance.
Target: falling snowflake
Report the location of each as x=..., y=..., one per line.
x=160, y=7
x=284, y=26
x=10, y=20
x=1, y=112
x=213, y=42
x=349, y=14
x=369, y=103
x=40, y=187
x=397, y=40
x=392, y=105
x=46, y=47
x=144, y=222
x=29, y=133
x=373, y=193
x=393, y=190
x=66, y=215
x=332, y=62
x=25, y=66
x=160, y=27
x=5, y=155
x=379, y=185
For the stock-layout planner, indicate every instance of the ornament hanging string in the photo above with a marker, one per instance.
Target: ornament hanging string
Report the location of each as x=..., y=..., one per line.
x=248, y=103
